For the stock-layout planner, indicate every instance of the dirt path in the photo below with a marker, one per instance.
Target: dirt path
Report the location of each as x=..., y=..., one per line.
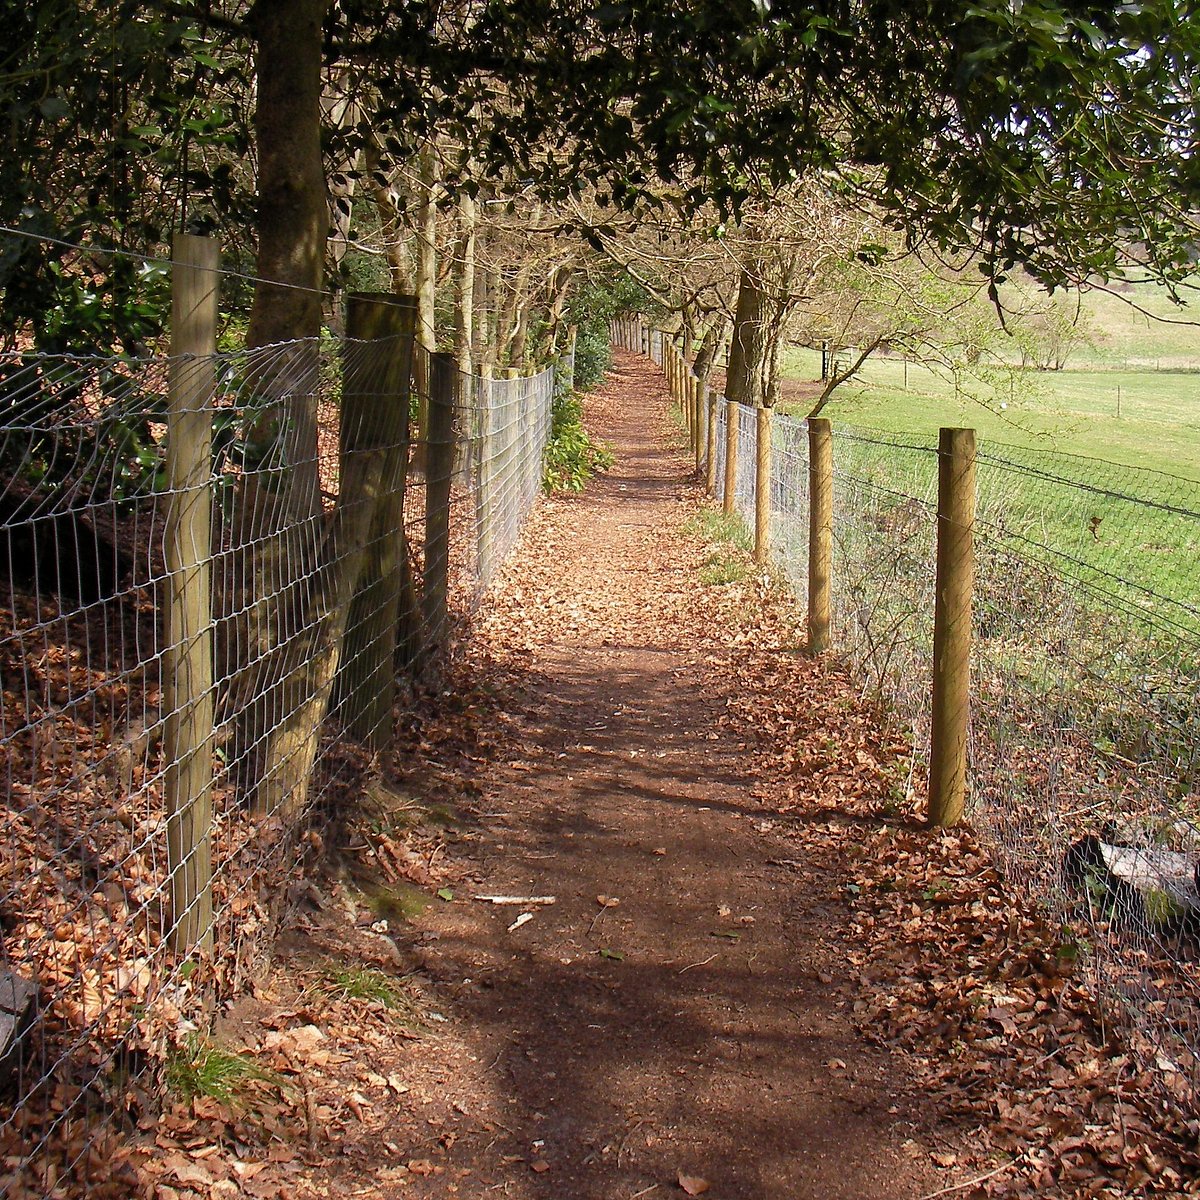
x=695, y=1022
x=761, y=978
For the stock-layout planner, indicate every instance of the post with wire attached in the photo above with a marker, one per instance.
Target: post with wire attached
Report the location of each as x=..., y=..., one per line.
x=697, y=404
x=485, y=467
x=762, y=485
x=729, y=496
x=820, y=532
x=952, y=626
x=187, y=666
x=443, y=393
x=381, y=622
x=709, y=400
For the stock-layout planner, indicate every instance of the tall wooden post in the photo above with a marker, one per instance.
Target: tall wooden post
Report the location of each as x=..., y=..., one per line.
x=762, y=485
x=568, y=359
x=188, y=660
x=443, y=398
x=729, y=496
x=820, y=532
x=952, y=626
x=697, y=401
x=710, y=400
x=485, y=470
x=376, y=385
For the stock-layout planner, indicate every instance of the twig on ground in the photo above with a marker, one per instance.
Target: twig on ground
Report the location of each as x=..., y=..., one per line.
x=966, y=1183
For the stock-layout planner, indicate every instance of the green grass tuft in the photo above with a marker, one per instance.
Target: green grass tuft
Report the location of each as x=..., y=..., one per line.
x=363, y=983
x=397, y=901
x=729, y=542
x=200, y=1068
x=712, y=525
x=723, y=567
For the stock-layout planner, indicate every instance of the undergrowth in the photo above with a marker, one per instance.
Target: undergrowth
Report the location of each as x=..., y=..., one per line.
x=201, y=1068
x=728, y=544
x=364, y=983
x=571, y=456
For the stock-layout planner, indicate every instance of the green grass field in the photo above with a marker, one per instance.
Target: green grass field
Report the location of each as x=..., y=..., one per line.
x=1131, y=397
x=1029, y=422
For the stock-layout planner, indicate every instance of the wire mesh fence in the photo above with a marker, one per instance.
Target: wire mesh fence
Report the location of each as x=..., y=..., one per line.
x=1084, y=751
x=200, y=658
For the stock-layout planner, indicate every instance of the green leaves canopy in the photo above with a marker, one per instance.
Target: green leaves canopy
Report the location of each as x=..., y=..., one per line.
x=1058, y=134
x=1054, y=133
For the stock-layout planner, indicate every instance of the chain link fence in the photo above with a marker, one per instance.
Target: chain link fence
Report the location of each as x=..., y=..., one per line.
x=200, y=659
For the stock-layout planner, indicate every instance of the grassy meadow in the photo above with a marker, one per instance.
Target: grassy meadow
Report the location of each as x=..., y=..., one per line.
x=1131, y=396
x=1039, y=431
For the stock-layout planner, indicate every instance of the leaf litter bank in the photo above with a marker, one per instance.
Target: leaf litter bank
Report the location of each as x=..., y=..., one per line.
x=744, y=970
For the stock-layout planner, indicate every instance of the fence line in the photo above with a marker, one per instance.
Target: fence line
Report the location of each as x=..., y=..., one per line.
x=213, y=568
x=1084, y=742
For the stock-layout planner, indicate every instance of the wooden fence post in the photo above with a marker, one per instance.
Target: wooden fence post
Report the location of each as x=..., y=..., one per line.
x=710, y=400
x=188, y=660
x=443, y=397
x=485, y=495
x=697, y=401
x=729, y=496
x=569, y=357
x=376, y=384
x=820, y=532
x=762, y=485
x=952, y=626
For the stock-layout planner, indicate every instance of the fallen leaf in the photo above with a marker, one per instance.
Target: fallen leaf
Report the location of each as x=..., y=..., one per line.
x=693, y=1184
x=187, y=1171
x=540, y=1166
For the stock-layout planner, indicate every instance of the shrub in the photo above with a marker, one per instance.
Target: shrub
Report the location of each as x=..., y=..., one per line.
x=571, y=457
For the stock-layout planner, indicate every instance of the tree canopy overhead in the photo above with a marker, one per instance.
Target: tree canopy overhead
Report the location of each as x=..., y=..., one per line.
x=1049, y=132
x=1058, y=134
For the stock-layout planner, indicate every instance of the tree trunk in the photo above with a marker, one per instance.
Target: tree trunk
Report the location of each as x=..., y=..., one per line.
x=516, y=302
x=750, y=350
x=293, y=212
x=340, y=111
x=702, y=365
x=464, y=286
x=516, y=347
x=560, y=289
x=490, y=318
x=366, y=680
x=391, y=228
x=280, y=522
x=427, y=166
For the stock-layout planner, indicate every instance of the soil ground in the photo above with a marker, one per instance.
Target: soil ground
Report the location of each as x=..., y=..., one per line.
x=677, y=1018
x=736, y=964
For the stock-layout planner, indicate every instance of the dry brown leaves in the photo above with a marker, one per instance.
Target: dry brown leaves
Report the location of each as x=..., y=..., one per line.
x=1002, y=1030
